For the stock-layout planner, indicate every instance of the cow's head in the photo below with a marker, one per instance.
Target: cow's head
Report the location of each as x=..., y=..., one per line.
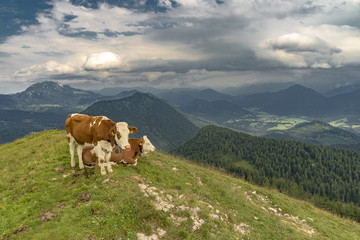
x=121, y=133
x=146, y=145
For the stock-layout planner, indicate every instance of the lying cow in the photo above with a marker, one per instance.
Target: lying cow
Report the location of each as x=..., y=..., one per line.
x=139, y=147
x=98, y=132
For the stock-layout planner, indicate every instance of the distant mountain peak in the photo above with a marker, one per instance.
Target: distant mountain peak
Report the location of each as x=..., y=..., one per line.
x=45, y=88
x=46, y=85
x=298, y=90
x=298, y=87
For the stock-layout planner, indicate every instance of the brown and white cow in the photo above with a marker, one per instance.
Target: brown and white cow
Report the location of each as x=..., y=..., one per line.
x=139, y=147
x=98, y=132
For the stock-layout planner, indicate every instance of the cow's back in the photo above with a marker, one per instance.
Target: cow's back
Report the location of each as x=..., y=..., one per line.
x=85, y=129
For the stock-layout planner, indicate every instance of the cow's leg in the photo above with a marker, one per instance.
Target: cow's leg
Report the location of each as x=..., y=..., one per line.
x=107, y=161
x=101, y=158
x=79, y=152
x=107, y=149
x=72, y=150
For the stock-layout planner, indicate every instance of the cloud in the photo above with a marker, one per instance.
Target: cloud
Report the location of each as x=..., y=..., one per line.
x=295, y=42
x=103, y=61
x=187, y=42
x=299, y=50
x=320, y=65
x=49, y=68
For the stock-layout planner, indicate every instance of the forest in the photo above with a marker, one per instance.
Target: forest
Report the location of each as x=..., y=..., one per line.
x=328, y=177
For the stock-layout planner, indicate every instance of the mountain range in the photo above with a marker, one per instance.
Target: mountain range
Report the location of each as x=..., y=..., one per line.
x=45, y=106
x=295, y=100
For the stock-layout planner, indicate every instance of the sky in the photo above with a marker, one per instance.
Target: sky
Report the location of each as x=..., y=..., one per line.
x=179, y=43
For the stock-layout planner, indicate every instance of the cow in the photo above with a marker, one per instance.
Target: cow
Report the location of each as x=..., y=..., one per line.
x=98, y=132
x=139, y=147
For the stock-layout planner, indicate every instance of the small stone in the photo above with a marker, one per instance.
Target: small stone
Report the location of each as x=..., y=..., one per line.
x=138, y=179
x=59, y=169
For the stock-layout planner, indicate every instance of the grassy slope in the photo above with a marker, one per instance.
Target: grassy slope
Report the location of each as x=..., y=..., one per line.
x=42, y=198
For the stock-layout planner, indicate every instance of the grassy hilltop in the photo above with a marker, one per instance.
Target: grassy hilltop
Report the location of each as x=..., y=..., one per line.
x=163, y=197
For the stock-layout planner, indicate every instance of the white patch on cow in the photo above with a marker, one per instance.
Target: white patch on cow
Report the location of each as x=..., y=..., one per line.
x=122, y=128
x=147, y=146
x=72, y=149
x=103, y=152
x=102, y=118
x=93, y=123
x=75, y=114
x=131, y=164
x=79, y=152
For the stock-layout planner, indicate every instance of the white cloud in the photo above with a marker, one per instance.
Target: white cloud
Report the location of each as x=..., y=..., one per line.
x=103, y=61
x=320, y=65
x=299, y=50
x=295, y=42
x=47, y=69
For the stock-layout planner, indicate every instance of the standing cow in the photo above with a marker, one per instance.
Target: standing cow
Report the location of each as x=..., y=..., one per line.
x=99, y=132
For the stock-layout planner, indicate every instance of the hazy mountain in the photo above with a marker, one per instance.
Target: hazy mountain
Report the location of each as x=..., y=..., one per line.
x=295, y=100
x=118, y=90
x=181, y=96
x=257, y=88
x=319, y=133
x=219, y=110
x=347, y=103
x=7, y=102
x=342, y=90
x=165, y=126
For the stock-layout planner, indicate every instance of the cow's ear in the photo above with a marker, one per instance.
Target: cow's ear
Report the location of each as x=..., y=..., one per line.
x=132, y=129
x=141, y=142
x=113, y=131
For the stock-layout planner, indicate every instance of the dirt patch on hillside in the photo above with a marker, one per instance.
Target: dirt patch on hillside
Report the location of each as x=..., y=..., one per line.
x=179, y=211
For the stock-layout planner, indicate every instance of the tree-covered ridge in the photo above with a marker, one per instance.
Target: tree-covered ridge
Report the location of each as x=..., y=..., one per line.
x=301, y=169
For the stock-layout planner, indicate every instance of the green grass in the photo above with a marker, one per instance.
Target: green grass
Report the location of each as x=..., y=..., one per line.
x=41, y=197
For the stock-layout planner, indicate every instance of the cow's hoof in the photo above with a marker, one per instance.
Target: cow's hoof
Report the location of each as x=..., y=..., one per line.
x=103, y=172
x=110, y=170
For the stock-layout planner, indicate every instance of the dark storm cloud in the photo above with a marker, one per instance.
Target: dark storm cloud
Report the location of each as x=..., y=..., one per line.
x=53, y=54
x=67, y=30
x=4, y=54
x=194, y=30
